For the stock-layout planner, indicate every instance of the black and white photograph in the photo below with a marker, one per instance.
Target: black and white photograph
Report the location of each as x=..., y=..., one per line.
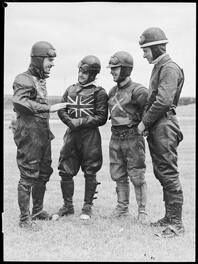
x=99, y=103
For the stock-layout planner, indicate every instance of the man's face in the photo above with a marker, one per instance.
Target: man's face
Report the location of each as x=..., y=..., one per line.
x=115, y=72
x=83, y=77
x=47, y=64
x=147, y=54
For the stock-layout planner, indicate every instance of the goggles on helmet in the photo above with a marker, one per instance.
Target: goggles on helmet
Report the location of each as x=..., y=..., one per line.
x=51, y=53
x=114, y=62
x=84, y=67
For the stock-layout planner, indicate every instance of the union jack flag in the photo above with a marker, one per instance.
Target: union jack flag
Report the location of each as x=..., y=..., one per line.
x=81, y=106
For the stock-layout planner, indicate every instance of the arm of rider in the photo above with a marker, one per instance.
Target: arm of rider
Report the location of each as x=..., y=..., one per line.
x=56, y=107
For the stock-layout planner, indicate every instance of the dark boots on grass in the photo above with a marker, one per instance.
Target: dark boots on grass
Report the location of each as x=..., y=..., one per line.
x=24, y=204
x=24, y=191
x=176, y=227
x=172, y=221
x=90, y=189
x=67, y=188
x=123, y=193
x=38, y=192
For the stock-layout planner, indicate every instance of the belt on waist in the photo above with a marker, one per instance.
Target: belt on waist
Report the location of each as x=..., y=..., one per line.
x=120, y=130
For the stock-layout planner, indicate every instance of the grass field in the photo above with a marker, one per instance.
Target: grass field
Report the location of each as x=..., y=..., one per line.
x=102, y=239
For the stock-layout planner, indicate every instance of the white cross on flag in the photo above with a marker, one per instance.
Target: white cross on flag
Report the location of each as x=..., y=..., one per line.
x=81, y=106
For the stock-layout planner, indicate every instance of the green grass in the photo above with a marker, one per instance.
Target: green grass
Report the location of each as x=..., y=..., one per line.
x=102, y=238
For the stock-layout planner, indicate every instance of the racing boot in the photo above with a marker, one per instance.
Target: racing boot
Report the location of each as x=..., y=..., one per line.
x=24, y=204
x=90, y=189
x=176, y=227
x=67, y=188
x=175, y=203
x=38, y=192
x=166, y=220
x=141, y=198
x=123, y=192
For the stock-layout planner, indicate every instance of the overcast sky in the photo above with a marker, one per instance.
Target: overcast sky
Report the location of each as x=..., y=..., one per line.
x=101, y=29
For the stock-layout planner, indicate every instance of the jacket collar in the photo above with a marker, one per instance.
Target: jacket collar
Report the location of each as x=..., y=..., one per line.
x=125, y=84
x=37, y=72
x=164, y=59
x=86, y=86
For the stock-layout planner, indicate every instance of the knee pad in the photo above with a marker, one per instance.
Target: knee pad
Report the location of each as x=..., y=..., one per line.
x=26, y=181
x=138, y=180
x=123, y=185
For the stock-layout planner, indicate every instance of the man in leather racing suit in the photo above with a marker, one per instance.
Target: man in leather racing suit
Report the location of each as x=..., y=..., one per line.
x=87, y=110
x=127, y=148
x=160, y=119
x=32, y=135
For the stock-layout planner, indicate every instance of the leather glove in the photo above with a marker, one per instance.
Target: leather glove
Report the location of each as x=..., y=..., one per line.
x=74, y=124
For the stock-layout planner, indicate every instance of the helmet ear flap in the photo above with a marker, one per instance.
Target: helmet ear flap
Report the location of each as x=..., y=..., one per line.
x=37, y=62
x=128, y=70
x=92, y=76
x=125, y=72
x=158, y=50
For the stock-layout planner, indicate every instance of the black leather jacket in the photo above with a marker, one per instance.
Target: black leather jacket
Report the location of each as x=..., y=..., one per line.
x=86, y=105
x=164, y=90
x=30, y=97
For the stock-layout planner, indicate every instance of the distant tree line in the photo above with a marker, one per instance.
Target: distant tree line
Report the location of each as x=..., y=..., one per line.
x=187, y=100
x=57, y=99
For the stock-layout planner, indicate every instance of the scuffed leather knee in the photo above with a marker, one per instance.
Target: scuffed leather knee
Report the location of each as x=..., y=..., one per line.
x=26, y=182
x=138, y=179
